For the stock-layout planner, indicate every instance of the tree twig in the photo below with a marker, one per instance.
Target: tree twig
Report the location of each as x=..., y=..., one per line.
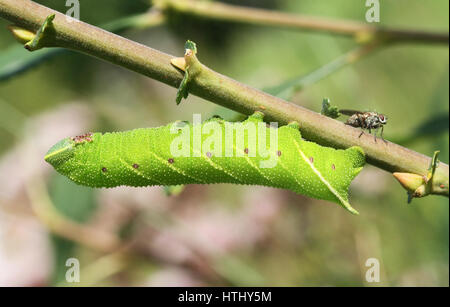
x=220, y=89
x=14, y=61
x=247, y=15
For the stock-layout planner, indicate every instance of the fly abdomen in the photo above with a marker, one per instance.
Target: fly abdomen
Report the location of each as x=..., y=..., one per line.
x=355, y=121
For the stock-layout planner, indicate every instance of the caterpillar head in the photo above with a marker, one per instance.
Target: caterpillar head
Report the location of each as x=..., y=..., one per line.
x=63, y=151
x=59, y=153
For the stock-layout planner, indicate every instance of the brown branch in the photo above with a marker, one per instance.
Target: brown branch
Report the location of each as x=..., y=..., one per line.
x=219, y=89
x=247, y=15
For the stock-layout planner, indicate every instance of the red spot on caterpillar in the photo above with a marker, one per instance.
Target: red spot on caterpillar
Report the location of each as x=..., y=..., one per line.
x=246, y=151
x=442, y=186
x=171, y=160
x=208, y=154
x=279, y=153
x=311, y=159
x=104, y=170
x=333, y=167
x=135, y=165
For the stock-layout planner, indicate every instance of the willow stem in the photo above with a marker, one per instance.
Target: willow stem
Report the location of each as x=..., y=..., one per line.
x=219, y=89
x=247, y=15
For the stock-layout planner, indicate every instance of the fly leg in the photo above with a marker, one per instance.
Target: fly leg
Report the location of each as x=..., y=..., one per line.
x=382, y=129
x=374, y=134
x=360, y=125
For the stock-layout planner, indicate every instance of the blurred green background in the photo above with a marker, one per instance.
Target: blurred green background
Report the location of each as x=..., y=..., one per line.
x=225, y=234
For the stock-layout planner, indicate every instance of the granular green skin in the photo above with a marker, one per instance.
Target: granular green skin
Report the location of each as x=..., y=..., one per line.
x=142, y=157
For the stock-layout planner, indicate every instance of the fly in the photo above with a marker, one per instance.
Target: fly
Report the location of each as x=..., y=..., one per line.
x=366, y=120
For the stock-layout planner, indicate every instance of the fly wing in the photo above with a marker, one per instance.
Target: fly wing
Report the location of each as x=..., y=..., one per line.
x=350, y=112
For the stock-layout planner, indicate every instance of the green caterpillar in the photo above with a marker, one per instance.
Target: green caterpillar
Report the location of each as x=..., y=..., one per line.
x=182, y=153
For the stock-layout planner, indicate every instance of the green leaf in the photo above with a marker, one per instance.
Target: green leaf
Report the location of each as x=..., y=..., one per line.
x=15, y=60
x=43, y=36
x=328, y=109
x=183, y=88
x=173, y=190
x=287, y=89
x=191, y=46
x=78, y=204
